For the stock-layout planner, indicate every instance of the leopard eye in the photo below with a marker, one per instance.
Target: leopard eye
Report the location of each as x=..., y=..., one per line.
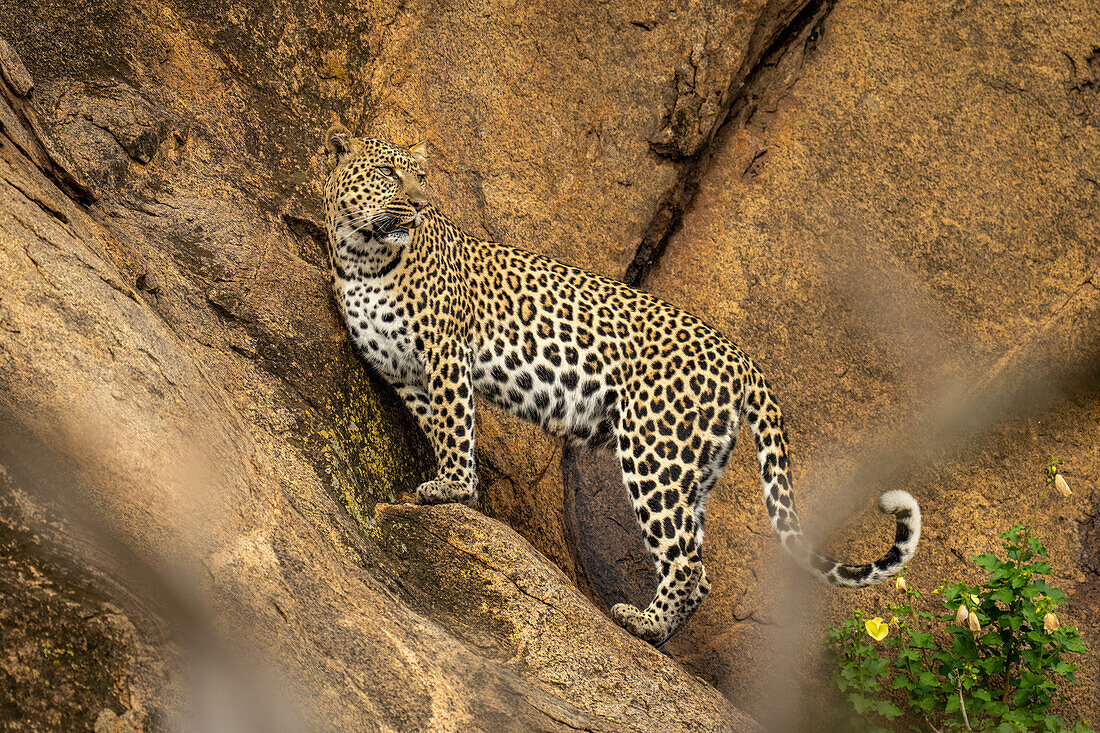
x=420, y=177
x=386, y=171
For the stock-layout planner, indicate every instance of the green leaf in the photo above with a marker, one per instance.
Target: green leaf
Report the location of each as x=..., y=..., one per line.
x=876, y=667
x=991, y=639
x=1031, y=678
x=992, y=665
x=987, y=561
x=888, y=710
x=860, y=703
x=964, y=647
x=1074, y=644
x=921, y=641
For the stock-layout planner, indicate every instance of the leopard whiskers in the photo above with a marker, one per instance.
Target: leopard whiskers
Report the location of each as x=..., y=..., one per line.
x=369, y=218
x=381, y=221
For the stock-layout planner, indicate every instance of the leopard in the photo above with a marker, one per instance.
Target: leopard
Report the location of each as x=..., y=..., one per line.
x=442, y=315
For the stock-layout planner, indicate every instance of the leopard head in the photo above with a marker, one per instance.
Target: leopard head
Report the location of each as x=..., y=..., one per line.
x=375, y=191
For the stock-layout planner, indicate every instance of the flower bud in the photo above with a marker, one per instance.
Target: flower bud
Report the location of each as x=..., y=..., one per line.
x=1050, y=622
x=973, y=623
x=963, y=612
x=901, y=584
x=1061, y=485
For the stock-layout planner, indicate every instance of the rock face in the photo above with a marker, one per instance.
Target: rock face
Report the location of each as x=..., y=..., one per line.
x=487, y=587
x=891, y=206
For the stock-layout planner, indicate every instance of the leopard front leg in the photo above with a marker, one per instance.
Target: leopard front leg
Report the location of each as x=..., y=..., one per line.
x=450, y=426
x=416, y=399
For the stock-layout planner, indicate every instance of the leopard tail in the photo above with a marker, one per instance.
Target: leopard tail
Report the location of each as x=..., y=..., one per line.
x=761, y=412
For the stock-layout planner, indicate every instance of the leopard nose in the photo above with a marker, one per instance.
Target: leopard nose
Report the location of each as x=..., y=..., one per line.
x=418, y=204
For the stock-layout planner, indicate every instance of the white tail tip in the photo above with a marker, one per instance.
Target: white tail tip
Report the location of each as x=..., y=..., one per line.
x=896, y=501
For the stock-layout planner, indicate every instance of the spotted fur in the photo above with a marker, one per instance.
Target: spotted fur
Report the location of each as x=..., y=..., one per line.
x=442, y=315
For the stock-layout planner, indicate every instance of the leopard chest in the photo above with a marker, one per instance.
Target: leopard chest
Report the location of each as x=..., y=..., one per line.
x=378, y=322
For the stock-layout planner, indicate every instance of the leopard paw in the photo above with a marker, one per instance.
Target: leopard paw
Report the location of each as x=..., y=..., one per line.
x=444, y=492
x=640, y=623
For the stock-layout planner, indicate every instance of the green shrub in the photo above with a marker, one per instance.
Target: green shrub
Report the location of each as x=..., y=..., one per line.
x=987, y=661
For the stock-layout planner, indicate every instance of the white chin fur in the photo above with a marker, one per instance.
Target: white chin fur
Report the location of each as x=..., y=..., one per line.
x=398, y=237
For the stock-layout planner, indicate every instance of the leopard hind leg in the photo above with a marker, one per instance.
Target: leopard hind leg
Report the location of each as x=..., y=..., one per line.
x=668, y=495
x=715, y=469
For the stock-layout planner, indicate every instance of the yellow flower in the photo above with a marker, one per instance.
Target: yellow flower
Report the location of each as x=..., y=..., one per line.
x=1061, y=485
x=901, y=584
x=961, y=614
x=975, y=601
x=876, y=629
x=975, y=625
x=1050, y=622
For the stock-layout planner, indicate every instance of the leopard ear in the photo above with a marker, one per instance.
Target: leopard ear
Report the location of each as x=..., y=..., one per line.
x=337, y=143
x=419, y=152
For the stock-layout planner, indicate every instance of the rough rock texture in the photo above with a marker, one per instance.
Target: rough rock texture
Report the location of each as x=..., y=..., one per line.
x=892, y=206
x=484, y=584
